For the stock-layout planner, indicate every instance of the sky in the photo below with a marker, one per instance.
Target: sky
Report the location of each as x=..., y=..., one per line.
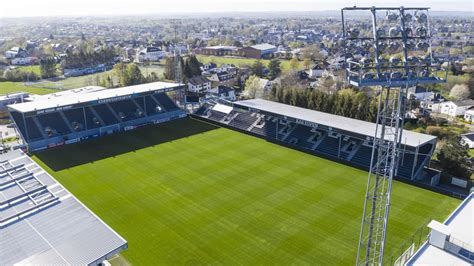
x=28, y=8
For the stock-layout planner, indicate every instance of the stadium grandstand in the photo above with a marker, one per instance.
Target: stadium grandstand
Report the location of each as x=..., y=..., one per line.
x=75, y=115
x=334, y=137
x=41, y=223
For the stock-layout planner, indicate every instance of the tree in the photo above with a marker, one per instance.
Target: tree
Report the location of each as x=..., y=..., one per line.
x=460, y=92
x=47, y=67
x=194, y=65
x=294, y=64
x=128, y=74
x=306, y=63
x=274, y=68
x=257, y=68
x=253, y=88
x=170, y=68
x=454, y=158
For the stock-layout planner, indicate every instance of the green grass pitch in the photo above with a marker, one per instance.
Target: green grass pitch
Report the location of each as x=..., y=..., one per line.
x=186, y=192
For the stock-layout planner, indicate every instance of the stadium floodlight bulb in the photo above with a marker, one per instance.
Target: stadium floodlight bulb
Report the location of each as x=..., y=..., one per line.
x=424, y=73
x=426, y=59
x=393, y=46
x=381, y=32
x=353, y=32
x=408, y=17
x=410, y=45
x=408, y=32
x=396, y=75
x=391, y=16
x=394, y=60
x=413, y=60
x=422, y=32
x=394, y=31
x=368, y=76
x=421, y=17
x=422, y=46
x=382, y=61
x=365, y=62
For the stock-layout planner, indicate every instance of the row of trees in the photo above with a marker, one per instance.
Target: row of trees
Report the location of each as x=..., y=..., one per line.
x=48, y=67
x=345, y=102
x=127, y=75
x=85, y=58
x=190, y=67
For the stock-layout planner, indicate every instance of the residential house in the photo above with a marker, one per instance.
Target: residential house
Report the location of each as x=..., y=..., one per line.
x=420, y=93
x=208, y=66
x=150, y=53
x=469, y=115
x=468, y=139
x=456, y=108
x=199, y=84
x=433, y=103
x=318, y=69
x=222, y=78
x=223, y=92
x=13, y=52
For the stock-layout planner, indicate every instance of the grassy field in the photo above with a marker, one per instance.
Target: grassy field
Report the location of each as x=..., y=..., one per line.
x=219, y=60
x=188, y=193
x=10, y=87
x=35, y=68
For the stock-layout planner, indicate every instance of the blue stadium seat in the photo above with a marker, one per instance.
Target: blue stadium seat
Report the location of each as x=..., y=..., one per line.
x=302, y=133
x=243, y=120
x=126, y=110
x=55, y=122
x=91, y=120
x=76, y=118
x=32, y=129
x=363, y=156
x=152, y=106
x=18, y=118
x=329, y=146
x=165, y=101
x=105, y=113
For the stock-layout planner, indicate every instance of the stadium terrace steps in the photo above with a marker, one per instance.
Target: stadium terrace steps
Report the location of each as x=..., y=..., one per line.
x=106, y=114
x=165, y=101
x=75, y=116
x=316, y=140
x=329, y=146
x=55, y=122
x=93, y=119
x=126, y=110
x=68, y=123
x=112, y=111
x=243, y=121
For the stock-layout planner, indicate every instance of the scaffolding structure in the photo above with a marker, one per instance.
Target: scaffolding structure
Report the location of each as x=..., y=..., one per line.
x=389, y=49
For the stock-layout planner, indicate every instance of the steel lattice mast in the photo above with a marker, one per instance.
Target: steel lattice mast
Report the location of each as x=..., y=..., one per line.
x=393, y=77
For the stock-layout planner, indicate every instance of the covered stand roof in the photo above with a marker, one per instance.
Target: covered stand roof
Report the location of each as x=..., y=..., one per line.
x=409, y=138
x=60, y=99
x=42, y=223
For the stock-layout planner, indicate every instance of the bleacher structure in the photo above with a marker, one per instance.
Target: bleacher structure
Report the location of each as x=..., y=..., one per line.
x=41, y=223
x=331, y=136
x=68, y=117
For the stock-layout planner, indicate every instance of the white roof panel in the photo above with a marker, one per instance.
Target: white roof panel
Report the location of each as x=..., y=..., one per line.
x=409, y=138
x=64, y=98
x=65, y=233
x=460, y=225
x=222, y=108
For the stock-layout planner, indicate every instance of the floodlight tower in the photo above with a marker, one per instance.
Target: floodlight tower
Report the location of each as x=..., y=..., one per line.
x=390, y=50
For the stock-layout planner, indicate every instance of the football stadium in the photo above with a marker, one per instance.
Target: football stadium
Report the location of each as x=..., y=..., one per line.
x=249, y=182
